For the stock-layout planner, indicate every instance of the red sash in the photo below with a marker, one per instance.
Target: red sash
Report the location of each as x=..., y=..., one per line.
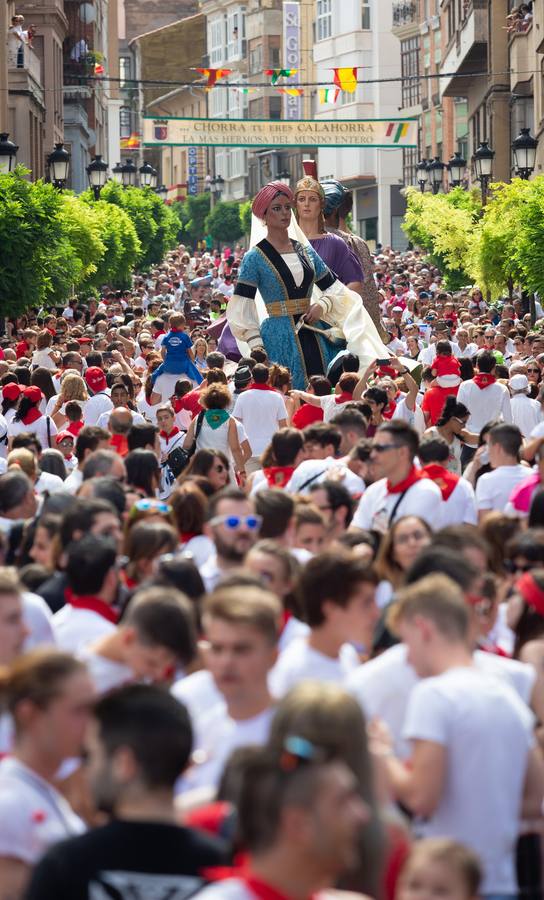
x=413, y=476
x=446, y=481
x=484, y=379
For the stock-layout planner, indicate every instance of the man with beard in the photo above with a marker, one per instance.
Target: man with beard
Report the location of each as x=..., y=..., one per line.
x=139, y=741
x=234, y=527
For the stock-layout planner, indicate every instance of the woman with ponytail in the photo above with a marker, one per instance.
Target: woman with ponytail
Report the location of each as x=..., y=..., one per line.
x=48, y=696
x=30, y=418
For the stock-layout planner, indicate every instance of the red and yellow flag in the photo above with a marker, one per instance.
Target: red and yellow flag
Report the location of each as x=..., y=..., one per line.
x=346, y=79
x=213, y=75
x=291, y=91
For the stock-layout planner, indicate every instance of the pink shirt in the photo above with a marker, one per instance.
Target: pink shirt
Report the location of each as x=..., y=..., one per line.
x=521, y=496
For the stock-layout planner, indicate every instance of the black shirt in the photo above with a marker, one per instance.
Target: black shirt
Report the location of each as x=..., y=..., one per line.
x=127, y=861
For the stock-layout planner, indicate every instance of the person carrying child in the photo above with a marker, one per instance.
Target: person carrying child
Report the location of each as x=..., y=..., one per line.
x=178, y=355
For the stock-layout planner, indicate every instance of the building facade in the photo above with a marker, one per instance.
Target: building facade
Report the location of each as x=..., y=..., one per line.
x=351, y=33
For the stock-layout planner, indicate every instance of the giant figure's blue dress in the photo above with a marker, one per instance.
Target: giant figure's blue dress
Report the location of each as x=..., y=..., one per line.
x=265, y=270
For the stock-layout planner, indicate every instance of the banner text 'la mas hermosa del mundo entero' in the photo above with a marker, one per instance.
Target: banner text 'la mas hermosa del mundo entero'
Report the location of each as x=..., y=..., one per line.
x=394, y=133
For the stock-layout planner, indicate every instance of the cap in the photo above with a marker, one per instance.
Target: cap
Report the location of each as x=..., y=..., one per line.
x=397, y=309
x=84, y=340
x=242, y=376
x=95, y=378
x=519, y=383
x=11, y=391
x=62, y=435
x=32, y=393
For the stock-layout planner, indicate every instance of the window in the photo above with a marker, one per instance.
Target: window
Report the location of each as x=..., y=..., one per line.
x=409, y=58
x=409, y=164
x=236, y=32
x=256, y=59
x=124, y=70
x=124, y=121
x=324, y=19
x=217, y=40
x=275, y=62
x=365, y=10
x=274, y=108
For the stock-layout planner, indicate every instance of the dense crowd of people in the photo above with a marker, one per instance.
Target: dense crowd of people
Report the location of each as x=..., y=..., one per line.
x=273, y=629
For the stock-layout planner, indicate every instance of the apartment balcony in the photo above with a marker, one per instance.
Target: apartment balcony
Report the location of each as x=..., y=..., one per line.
x=25, y=74
x=521, y=57
x=405, y=13
x=467, y=50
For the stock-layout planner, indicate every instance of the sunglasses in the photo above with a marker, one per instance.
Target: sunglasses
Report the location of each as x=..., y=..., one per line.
x=145, y=505
x=298, y=751
x=533, y=371
x=253, y=523
x=512, y=567
x=381, y=448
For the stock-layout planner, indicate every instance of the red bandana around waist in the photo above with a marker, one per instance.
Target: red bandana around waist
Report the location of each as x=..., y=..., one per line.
x=278, y=476
x=413, y=476
x=484, y=379
x=446, y=481
x=31, y=416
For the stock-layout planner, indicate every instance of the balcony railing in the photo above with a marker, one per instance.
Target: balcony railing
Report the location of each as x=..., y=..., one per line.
x=404, y=13
x=25, y=58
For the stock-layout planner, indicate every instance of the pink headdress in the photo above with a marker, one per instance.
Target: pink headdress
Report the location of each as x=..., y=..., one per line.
x=265, y=197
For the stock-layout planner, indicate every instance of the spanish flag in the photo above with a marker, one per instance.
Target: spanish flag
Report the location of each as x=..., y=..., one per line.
x=213, y=75
x=98, y=69
x=280, y=73
x=346, y=79
x=328, y=95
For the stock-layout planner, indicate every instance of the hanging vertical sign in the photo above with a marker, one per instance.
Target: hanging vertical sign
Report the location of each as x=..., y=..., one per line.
x=291, y=55
x=192, y=178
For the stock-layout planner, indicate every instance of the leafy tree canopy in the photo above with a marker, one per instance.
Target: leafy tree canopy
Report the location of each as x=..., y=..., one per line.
x=224, y=223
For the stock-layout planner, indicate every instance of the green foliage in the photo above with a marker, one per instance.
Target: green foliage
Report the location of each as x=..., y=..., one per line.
x=192, y=216
x=122, y=247
x=224, y=222
x=491, y=260
x=444, y=225
x=245, y=216
x=527, y=247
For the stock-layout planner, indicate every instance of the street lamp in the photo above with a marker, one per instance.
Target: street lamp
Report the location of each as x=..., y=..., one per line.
x=8, y=152
x=59, y=166
x=162, y=191
x=128, y=174
x=117, y=173
x=97, y=171
x=284, y=177
x=436, y=173
x=422, y=173
x=154, y=177
x=524, y=149
x=483, y=164
x=146, y=175
x=456, y=169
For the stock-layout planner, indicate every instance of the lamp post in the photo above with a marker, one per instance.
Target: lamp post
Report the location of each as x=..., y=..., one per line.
x=117, y=173
x=128, y=174
x=524, y=149
x=146, y=175
x=162, y=191
x=154, y=177
x=436, y=173
x=217, y=184
x=8, y=152
x=483, y=165
x=97, y=172
x=422, y=174
x=457, y=167
x=59, y=166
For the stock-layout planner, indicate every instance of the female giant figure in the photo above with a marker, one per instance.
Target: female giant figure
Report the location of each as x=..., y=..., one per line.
x=302, y=298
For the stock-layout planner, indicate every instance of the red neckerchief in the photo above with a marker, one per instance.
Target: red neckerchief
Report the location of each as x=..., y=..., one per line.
x=119, y=444
x=413, y=476
x=167, y=436
x=186, y=536
x=158, y=334
x=31, y=416
x=264, y=891
x=260, y=387
x=285, y=616
x=389, y=410
x=51, y=331
x=344, y=397
x=446, y=481
x=278, y=476
x=94, y=604
x=484, y=379
x=75, y=427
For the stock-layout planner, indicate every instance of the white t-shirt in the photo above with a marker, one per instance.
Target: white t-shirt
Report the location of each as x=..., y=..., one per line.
x=37, y=618
x=39, y=428
x=526, y=413
x=198, y=693
x=236, y=889
x=74, y=481
x=485, y=404
x=3, y=437
x=49, y=482
x=423, y=499
x=105, y=673
x=313, y=471
x=300, y=662
x=414, y=417
x=488, y=733
x=260, y=413
x=383, y=686
x=33, y=814
x=74, y=627
x=460, y=507
x=330, y=407
x=217, y=735
x=494, y=488
x=95, y=406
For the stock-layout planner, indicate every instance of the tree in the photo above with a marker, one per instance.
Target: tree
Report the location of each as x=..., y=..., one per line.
x=39, y=264
x=444, y=225
x=192, y=215
x=122, y=247
x=246, y=217
x=224, y=222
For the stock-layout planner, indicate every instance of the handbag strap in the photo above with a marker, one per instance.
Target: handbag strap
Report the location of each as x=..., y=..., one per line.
x=48, y=423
